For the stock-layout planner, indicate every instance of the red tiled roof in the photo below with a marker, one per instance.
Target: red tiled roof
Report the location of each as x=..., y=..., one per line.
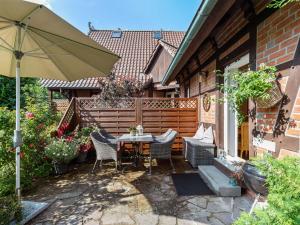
x=134, y=47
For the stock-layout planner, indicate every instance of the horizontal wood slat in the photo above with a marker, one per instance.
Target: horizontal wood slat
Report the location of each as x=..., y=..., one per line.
x=156, y=115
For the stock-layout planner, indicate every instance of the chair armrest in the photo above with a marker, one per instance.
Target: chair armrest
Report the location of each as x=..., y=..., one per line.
x=197, y=142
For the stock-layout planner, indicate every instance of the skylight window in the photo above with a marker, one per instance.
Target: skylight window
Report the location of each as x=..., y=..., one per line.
x=116, y=34
x=157, y=35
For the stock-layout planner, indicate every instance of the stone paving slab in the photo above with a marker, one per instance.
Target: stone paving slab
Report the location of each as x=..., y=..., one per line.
x=112, y=198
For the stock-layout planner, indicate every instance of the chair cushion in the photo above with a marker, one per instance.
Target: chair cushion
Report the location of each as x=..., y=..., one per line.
x=200, y=132
x=208, y=136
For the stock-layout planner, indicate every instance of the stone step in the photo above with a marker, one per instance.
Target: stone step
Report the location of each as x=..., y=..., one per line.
x=218, y=182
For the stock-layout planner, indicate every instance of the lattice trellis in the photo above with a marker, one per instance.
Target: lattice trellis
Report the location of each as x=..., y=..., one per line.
x=96, y=103
x=60, y=105
x=69, y=114
x=169, y=103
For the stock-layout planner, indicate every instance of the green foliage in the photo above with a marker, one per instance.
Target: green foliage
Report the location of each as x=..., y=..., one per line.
x=9, y=209
x=37, y=120
x=247, y=85
x=280, y=3
x=82, y=136
x=61, y=150
x=283, y=180
x=29, y=87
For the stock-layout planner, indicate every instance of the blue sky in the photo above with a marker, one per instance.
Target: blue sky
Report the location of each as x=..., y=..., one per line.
x=126, y=14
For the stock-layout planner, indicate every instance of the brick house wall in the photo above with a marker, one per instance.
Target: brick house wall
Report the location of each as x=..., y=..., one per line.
x=277, y=39
x=278, y=35
x=274, y=42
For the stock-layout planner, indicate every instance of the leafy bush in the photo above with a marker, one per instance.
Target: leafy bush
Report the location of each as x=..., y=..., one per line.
x=8, y=95
x=248, y=85
x=283, y=180
x=112, y=89
x=280, y=3
x=82, y=136
x=61, y=150
x=37, y=120
x=9, y=209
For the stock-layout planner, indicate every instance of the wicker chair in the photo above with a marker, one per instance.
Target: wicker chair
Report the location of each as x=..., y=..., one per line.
x=161, y=149
x=104, y=149
x=112, y=139
x=163, y=136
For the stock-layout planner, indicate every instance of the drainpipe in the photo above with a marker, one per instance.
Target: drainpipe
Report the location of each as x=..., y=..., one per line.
x=197, y=23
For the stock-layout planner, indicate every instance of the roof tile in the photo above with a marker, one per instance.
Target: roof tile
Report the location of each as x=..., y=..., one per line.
x=134, y=47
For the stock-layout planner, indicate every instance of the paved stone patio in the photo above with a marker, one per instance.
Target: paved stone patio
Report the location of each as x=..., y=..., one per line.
x=108, y=198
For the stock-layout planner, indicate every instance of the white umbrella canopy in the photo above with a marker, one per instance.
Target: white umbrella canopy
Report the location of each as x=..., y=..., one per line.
x=51, y=48
x=35, y=42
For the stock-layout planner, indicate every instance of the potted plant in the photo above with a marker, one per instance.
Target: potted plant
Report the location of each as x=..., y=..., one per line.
x=236, y=177
x=61, y=152
x=260, y=86
x=84, y=141
x=132, y=130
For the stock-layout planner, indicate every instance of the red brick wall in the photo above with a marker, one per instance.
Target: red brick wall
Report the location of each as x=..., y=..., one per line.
x=278, y=35
x=277, y=39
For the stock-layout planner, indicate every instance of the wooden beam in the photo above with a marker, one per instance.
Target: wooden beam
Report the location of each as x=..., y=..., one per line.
x=214, y=43
x=249, y=10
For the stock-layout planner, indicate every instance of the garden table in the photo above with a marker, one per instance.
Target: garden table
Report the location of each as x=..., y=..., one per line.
x=137, y=142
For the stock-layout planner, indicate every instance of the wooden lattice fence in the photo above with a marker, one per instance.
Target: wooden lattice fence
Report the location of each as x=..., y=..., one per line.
x=155, y=114
x=60, y=105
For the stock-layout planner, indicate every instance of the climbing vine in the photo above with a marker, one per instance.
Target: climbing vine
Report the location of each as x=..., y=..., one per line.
x=280, y=3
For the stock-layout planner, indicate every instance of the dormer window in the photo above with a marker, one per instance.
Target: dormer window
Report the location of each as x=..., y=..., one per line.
x=116, y=34
x=157, y=35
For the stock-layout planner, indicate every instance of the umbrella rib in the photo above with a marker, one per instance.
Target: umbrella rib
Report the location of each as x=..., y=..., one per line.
x=43, y=31
x=29, y=14
x=2, y=17
x=5, y=42
x=37, y=54
x=3, y=28
x=42, y=47
x=10, y=50
x=39, y=57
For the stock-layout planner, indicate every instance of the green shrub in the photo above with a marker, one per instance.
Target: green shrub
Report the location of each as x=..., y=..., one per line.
x=247, y=85
x=9, y=209
x=61, y=150
x=37, y=122
x=8, y=179
x=283, y=180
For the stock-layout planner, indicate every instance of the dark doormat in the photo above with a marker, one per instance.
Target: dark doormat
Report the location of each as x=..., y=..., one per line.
x=187, y=184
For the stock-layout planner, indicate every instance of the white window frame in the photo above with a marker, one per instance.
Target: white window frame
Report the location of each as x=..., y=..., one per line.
x=244, y=60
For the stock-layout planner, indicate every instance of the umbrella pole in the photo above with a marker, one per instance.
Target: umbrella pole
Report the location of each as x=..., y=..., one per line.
x=18, y=131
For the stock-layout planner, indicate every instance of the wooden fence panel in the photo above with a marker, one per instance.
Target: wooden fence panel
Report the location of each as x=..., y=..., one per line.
x=156, y=115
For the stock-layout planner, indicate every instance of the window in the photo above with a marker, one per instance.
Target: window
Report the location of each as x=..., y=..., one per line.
x=157, y=35
x=116, y=34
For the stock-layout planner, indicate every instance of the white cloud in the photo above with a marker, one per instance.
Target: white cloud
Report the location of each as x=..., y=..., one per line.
x=46, y=3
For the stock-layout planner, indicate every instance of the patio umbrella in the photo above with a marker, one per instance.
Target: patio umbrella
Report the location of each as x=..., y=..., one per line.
x=35, y=42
